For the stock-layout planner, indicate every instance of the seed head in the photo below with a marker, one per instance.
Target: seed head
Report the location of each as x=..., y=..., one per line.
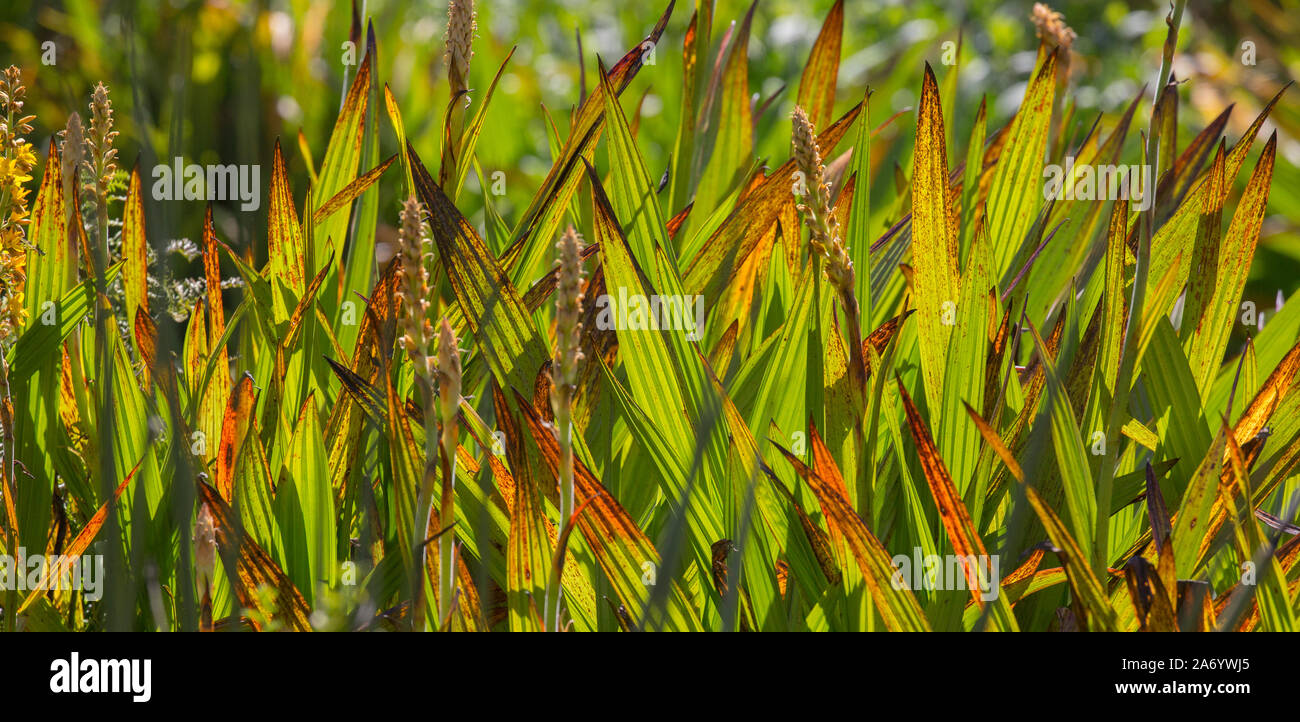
x=824, y=229
x=413, y=288
x=461, y=23
x=13, y=124
x=1051, y=28
x=72, y=148
x=449, y=378
x=810, y=183
x=72, y=153
x=568, y=331
x=205, y=544
x=824, y=237
x=102, y=163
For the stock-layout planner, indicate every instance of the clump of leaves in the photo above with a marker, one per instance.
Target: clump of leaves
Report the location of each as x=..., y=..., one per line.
x=1042, y=390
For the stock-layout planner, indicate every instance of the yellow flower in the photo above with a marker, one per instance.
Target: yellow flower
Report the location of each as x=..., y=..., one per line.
x=11, y=239
x=17, y=159
x=25, y=156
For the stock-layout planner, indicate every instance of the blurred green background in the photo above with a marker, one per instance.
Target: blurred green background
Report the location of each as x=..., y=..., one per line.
x=218, y=82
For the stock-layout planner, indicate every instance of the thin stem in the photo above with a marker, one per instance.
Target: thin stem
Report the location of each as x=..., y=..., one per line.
x=564, y=434
x=6, y=417
x=1132, y=327
x=446, y=518
x=423, y=504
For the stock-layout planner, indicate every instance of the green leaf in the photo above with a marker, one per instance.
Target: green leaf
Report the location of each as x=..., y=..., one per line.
x=971, y=179
x=934, y=243
x=1016, y=188
x=469, y=138
x=304, y=507
x=895, y=602
x=959, y=440
x=1072, y=462
x=135, y=260
x=350, y=139
x=1209, y=338
x=817, y=84
x=1192, y=519
x=1175, y=402
x=732, y=143
x=858, y=237
x=965, y=540
x=1084, y=585
x=539, y=225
